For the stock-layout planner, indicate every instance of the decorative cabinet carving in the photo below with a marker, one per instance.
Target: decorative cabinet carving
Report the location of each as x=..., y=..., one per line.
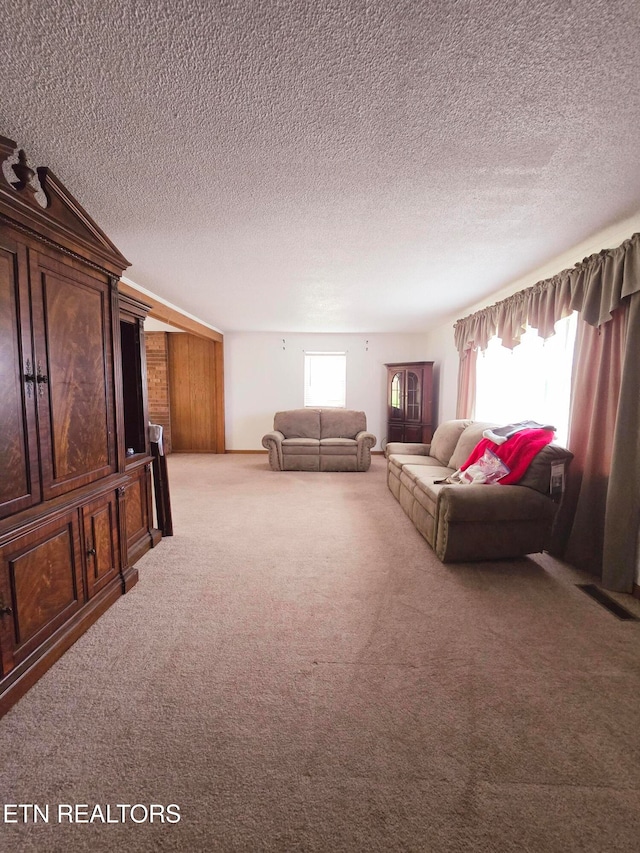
x=75, y=511
x=409, y=401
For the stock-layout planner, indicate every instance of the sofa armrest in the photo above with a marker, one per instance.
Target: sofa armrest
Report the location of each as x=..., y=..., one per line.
x=493, y=503
x=366, y=440
x=481, y=522
x=273, y=443
x=405, y=448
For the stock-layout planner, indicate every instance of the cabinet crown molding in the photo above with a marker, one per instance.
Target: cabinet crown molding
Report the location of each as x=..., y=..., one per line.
x=41, y=204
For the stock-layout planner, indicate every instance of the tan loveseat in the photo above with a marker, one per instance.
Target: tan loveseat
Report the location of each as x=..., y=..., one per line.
x=319, y=440
x=473, y=522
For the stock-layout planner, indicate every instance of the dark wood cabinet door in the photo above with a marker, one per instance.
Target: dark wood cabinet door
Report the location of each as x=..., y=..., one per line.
x=19, y=475
x=395, y=432
x=416, y=433
x=41, y=583
x=74, y=376
x=100, y=541
x=138, y=513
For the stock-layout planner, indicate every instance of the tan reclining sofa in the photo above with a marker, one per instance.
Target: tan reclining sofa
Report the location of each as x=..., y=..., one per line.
x=473, y=521
x=319, y=440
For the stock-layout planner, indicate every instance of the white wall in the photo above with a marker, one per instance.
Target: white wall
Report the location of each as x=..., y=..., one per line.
x=440, y=341
x=264, y=373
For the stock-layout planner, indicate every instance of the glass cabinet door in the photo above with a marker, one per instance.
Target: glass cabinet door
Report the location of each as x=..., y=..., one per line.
x=413, y=396
x=396, y=397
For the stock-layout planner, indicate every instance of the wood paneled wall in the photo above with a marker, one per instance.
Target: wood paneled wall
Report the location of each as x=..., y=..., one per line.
x=196, y=393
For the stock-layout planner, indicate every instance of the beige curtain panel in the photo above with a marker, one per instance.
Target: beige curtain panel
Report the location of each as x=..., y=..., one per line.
x=600, y=287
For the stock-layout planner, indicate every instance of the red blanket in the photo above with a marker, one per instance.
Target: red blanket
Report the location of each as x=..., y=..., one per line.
x=516, y=452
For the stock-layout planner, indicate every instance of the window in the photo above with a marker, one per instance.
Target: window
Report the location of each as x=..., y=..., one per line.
x=532, y=382
x=325, y=379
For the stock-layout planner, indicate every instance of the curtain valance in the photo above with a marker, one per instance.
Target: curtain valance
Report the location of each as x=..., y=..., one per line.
x=594, y=287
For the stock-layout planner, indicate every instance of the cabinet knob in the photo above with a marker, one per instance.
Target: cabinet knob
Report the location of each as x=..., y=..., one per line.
x=91, y=552
x=5, y=610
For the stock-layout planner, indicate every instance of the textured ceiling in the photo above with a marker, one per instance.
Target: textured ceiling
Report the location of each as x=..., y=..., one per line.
x=331, y=166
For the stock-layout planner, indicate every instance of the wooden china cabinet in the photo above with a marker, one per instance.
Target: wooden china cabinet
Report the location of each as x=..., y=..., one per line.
x=75, y=509
x=409, y=401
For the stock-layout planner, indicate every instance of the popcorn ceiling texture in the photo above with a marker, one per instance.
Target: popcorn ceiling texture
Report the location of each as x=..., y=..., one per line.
x=330, y=166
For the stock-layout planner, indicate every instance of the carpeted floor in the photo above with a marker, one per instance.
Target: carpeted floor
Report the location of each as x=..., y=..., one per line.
x=297, y=672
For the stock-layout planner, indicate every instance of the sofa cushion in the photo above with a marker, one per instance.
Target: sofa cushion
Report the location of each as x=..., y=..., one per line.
x=426, y=493
x=338, y=447
x=400, y=459
x=341, y=423
x=402, y=448
x=424, y=484
x=298, y=423
x=423, y=474
x=445, y=439
x=300, y=446
x=470, y=436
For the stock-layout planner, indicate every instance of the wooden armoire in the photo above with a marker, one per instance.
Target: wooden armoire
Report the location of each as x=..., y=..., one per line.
x=75, y=463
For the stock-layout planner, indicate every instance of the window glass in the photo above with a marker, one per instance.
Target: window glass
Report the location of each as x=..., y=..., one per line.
x=532, y=382
x=325, y=379
x=396, y=394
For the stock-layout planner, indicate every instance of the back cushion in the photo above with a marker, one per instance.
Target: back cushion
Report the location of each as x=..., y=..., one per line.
x=341, y=423
x=445, y=439
x=467, y=441
x=298, y=423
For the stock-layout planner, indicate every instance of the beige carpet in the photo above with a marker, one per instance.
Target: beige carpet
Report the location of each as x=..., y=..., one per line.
x=297, y=672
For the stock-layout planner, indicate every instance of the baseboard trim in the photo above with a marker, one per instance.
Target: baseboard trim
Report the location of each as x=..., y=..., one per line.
x=373, y=452
x=210, y=452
